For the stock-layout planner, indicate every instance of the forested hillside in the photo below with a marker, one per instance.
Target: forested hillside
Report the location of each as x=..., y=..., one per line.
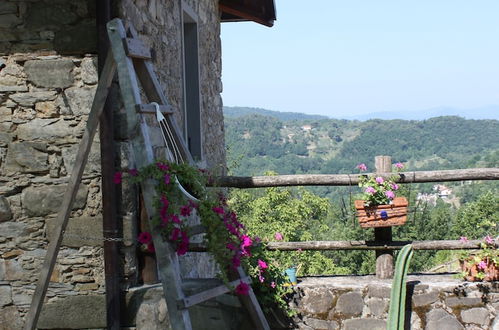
x=259, y=143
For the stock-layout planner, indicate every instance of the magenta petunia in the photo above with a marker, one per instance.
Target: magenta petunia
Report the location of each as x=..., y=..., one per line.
x=144, y=237
x=242, y=288
x=262, y=264
x=489, y=240
x=390, y=194
x=380, y=180
x=185, y=210
x=162, y=166
x=394, y=186
x=362, y=167
x=167, y=179
x=399, y=165
x=175, y=234
x=482, y=265
x=118, y=176
x=464, y=239
x=133, y=172
x=150, y=247
x=218, y=210
x=278, y=236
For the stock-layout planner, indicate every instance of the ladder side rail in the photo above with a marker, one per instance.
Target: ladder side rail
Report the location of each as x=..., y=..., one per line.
x=74, y=181
x=142, y=153
x=154, y=93
x=251, y=303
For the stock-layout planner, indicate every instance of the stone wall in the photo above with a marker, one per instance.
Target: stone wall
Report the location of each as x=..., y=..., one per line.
x=434, y=302
x=46, y=90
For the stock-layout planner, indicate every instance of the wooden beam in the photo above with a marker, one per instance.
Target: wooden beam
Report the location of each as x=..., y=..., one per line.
x=70, y=194
x=353, y=179
x=246, y=13
x=135, y=48
x=150, y=108
x=374, y=245
x=210, y=293
x=361, y=245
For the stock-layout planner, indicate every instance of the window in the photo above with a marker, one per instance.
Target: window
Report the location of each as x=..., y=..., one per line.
x=192, y=114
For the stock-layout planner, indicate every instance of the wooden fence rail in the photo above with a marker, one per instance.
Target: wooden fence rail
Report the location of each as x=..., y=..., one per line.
x=353, y=179
x=362, y=245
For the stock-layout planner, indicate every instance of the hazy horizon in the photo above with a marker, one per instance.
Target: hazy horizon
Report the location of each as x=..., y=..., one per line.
x=345, y=59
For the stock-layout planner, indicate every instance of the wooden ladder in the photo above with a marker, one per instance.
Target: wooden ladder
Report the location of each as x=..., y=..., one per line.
x=132, y=60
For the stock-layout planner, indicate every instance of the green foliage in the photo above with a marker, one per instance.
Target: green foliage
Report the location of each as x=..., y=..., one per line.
x=478, y=219
x=298, y=215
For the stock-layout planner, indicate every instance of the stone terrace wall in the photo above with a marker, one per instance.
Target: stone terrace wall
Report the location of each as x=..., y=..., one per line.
x=437, y=302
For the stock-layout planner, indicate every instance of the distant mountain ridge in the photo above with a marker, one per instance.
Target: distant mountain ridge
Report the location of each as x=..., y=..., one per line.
x=235, y=112
x=485, y=112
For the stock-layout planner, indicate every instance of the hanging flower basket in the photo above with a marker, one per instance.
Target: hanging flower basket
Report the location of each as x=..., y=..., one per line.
x=473, y=271
x=384, y=215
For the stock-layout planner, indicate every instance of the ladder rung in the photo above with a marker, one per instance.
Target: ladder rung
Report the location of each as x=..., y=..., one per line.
x=197, y=247
x=196, y=230
x=136, y=49
x=210, y=293
x=150, y=108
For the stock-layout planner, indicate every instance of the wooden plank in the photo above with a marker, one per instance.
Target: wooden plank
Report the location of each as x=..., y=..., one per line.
x=353, y=179
x=71, y=190
x=135, y=48
x=246, y=13
x=150, y=108
x=372, y=245
x=251, y=304
x=209, y=294
x=143, y=155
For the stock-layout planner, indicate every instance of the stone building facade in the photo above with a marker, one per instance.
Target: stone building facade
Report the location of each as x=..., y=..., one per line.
x=47, y=83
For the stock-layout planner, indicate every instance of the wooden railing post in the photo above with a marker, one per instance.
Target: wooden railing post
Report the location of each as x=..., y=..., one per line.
x=384, y=258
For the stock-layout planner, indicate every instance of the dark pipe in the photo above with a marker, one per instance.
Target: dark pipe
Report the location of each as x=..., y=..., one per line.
x=111, y=228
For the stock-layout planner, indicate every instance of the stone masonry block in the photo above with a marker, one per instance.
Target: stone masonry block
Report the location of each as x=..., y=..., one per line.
x=41, y=201
x=350, y=304
x=50, y=73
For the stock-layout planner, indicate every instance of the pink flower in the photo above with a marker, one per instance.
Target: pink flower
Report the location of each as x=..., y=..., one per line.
x=380, y=180
x=272, y=284
x=362, y=167
x=464, y=239
x=242, y=288
x=236, y=261
x=278, y=236
x=175, y=219
x=489, y=240
x=185, y=210
x=162, y=166
x=261, y=278
x=394, y=186
x=230, y=246
x=144, y=237
x=118, y=176
x=399, y=165
x=389, y=194
x=218, y=210
x=150, y=247
x=167, y=179
x=370, y=190
x=262, y=264
x=133, y=172
x=175, y=234
x=482, y=265
x=246, y=241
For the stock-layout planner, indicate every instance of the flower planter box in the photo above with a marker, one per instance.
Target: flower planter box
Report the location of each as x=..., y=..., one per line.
x=394, y=214
x=471, y=271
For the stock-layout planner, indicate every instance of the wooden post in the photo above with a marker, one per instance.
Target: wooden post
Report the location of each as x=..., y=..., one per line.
x=384, y=258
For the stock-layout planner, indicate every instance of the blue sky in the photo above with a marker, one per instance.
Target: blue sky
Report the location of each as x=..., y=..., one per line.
x=343, y=58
